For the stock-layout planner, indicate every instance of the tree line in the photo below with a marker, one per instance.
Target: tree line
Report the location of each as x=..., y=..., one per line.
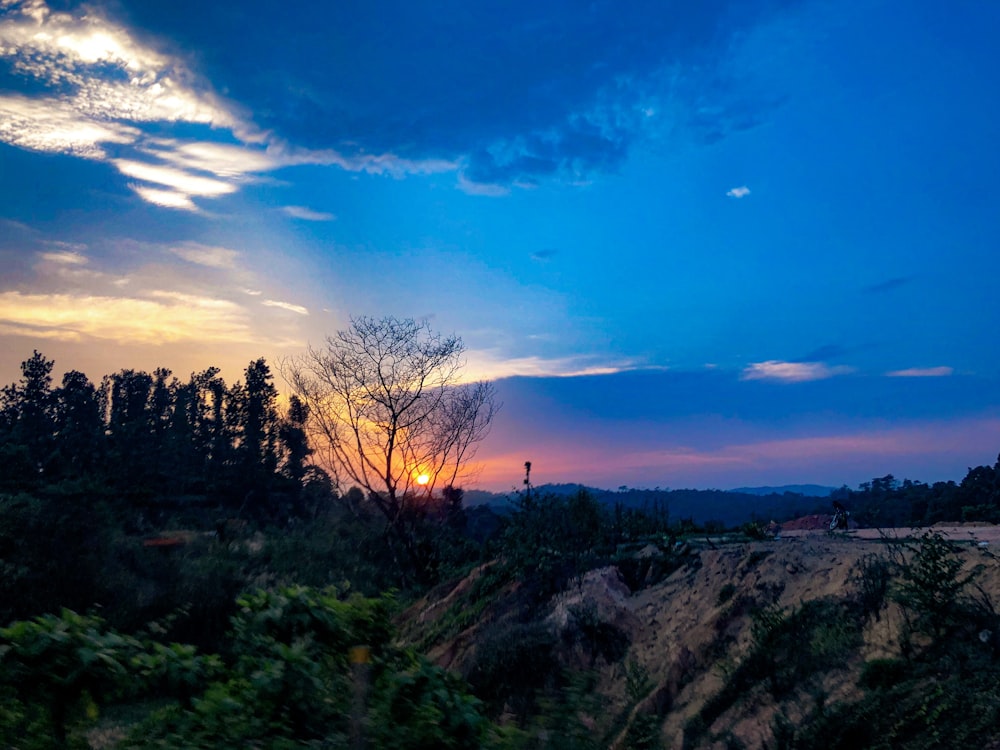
x=889, y=502
x=149, y=435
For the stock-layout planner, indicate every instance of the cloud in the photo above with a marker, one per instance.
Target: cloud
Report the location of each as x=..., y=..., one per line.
x=297, y=309
x=64, y=257
x=164, y=198
x=168, y=317
x=96, y=87
x=307, y=214
x=181, y=185
x=600, y=80
x=486, y=365
x=484, y=188
x=922, y=372
x=792, y=372
x=738, y=192
x=55, y=126
x=205, y=255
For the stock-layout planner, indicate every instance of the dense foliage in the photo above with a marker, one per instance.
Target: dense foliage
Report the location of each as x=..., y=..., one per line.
x=231, y=597
x=302, y=668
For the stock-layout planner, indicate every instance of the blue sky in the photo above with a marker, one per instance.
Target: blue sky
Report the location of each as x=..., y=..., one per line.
x=699, y=244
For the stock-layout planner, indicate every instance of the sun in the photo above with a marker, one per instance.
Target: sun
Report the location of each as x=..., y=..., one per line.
x=423, y=479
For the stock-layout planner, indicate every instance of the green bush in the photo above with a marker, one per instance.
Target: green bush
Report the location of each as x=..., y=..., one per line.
x=296, y=677
x=55, y=670
x=932, y=585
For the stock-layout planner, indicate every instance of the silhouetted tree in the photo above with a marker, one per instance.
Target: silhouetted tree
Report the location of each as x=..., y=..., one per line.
x=79, y=435
x=125, y=398
x=27, y=408
x=292, y=434
x=387, y=412
x=252, y=423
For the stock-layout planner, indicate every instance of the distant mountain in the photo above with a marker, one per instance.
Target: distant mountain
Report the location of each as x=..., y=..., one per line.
x=809, y=490
x=731, y=507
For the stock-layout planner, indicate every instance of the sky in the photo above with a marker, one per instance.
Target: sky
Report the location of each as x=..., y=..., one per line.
x=708, y=244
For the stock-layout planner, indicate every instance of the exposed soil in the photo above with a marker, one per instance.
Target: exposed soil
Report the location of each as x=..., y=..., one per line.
x=689, y=629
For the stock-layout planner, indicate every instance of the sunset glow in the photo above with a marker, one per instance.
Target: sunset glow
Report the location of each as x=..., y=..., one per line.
x=694, y=244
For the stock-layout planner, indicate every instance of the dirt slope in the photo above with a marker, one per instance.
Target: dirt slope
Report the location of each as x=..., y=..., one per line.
x=688, y=630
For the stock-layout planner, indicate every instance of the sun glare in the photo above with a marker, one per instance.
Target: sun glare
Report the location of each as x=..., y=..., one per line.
x=423, y=479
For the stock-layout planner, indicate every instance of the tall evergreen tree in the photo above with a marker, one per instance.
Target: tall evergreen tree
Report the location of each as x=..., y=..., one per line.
x=27, y=408
x=294, y=441
x=79, y=431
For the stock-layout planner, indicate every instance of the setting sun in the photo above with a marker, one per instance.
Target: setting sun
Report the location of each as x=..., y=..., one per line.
x=423, y=479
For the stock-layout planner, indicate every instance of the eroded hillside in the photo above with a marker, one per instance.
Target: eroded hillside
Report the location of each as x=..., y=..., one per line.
x=722, y=643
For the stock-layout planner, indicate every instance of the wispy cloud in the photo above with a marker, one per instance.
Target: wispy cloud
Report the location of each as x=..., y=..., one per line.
x=475, y=187
x=64, y=257
x=488, y=365
x=166, y=317
x=180, y=183
x=792, y=372
x=206, y=255
x=922, y=372
x=297, y=309
x=307, y=214
x=164, y=198
x=739, y=192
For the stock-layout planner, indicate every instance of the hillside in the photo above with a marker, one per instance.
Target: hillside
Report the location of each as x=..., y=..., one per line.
x=743, y=640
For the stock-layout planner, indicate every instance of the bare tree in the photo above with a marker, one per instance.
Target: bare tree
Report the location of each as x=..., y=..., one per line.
x=388, y=412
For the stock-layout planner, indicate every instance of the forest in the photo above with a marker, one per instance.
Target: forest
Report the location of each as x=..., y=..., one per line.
x=177, y=571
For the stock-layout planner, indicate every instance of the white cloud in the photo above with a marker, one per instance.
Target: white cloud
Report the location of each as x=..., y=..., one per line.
x=738, y=192
x=165, y=198
x=205, y=255
x=183, y=182
x=55, y=126
x=298, y=309
x=64, y=257
x=792, y=372
x=224, y=160
x=307, y=214
x=922, y=372
x=489, y=365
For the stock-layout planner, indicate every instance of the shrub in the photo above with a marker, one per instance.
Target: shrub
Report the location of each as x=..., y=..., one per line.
x=872, y=574
x=511, y=664
x=931, y=587
x=56, y=669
